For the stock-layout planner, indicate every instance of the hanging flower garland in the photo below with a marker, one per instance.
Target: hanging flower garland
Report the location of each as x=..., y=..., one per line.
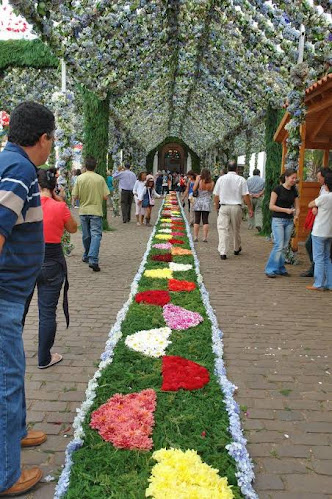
x=297, y=110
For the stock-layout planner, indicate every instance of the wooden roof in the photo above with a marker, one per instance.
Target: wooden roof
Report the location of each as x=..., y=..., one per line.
x=318, y=99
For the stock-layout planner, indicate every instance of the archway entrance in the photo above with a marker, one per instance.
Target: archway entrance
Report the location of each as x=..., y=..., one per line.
x=172, y=157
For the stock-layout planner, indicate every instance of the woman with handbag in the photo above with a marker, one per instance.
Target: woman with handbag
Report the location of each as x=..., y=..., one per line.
x=147, y=197
x=138, y=188
x=202, y=191
x=53, y=274
x=191, y=175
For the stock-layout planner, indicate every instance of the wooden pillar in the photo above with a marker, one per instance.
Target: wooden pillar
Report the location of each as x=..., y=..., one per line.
x=295, y=241
x=326, y=158
x=284, y=154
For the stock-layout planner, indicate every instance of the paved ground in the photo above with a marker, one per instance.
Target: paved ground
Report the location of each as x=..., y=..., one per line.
x=278, y=351
x=95, y=298
x=278, y=342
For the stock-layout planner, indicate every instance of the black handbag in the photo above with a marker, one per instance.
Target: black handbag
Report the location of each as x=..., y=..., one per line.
x=195, y=194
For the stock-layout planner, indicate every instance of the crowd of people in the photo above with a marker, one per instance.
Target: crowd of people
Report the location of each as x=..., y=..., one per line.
x=34, y=217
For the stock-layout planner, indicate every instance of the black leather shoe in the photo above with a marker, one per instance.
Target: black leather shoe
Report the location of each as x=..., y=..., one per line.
x=238, y=252
x=95, y=267
x=85, y=260
x=223, y=257
x=308, y=273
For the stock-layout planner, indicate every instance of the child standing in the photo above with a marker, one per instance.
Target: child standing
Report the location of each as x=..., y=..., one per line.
x=137, y=190
x=146, y=198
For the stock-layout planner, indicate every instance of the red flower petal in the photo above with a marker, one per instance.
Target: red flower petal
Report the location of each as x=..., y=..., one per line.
x=176, y=241
x=167, y=257
x=153, y=297
x=175, y=285
x=183, y=373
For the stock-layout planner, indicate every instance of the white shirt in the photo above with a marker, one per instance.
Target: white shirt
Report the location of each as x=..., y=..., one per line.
x=231, y=188
x=138, y=187
x=323, y=221
x=323, y=191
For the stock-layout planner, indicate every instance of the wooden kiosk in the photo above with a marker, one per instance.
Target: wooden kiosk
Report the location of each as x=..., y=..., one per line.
x=316, y=133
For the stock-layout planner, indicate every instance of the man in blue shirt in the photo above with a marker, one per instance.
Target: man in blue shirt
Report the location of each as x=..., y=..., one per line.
x=29, y=144
x=127, y=181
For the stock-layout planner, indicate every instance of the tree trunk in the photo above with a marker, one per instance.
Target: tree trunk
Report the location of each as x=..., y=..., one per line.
x=273, y=163
x=96, y=125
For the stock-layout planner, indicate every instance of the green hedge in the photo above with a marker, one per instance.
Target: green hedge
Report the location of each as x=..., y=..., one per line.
x=26, y=53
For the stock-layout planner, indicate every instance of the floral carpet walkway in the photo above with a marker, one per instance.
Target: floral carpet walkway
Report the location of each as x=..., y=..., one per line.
x=155, y=421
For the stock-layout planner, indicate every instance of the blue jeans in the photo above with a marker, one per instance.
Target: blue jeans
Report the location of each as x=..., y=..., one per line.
x=322, y=258
x=49, y=284
x=92, y=229
x=282, y=230
x=12, y=395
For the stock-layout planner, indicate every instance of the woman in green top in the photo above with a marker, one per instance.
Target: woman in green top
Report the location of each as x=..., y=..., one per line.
x=110, y=181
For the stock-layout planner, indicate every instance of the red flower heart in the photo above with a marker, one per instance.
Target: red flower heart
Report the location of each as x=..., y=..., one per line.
x=166, y=257
x=175, y=285
x=182, y=373
x=153, y=297
x=176, y=241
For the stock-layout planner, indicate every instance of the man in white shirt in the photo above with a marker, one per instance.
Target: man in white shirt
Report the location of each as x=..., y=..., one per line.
x=231, y=189
x=127, y=181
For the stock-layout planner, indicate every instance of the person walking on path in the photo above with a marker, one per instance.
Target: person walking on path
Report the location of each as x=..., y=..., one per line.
x=203, y=187
x=322, y=238
x=191, y=175
x=308, y=244
x=285, y=207
x=91, y=190
x=109, y=181
x=159, y=183
x=230, y=192
x=146, y=198
x=53, y=274
x=138, y=189
x=256, y=187
x=30, y=139
x=127, y=181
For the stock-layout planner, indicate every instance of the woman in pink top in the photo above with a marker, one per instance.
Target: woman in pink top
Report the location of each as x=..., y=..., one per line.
x=53, y=274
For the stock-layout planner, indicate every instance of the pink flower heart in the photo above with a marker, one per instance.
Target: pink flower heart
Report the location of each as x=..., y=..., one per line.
x=127, y=420
x=180, y=318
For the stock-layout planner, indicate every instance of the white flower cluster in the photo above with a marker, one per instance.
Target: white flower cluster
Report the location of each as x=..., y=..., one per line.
x=152, y=342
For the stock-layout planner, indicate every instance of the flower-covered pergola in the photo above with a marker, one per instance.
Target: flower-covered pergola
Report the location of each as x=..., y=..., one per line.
x=195, y=69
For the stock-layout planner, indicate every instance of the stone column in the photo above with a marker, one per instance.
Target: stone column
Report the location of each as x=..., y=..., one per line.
x=189, y=163
x=155, y=163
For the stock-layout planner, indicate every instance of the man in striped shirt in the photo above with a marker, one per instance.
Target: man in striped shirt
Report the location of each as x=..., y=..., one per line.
x=29, y=144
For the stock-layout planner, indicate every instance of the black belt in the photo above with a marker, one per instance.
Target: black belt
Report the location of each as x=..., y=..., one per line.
x=223, y=204
x=126, y=190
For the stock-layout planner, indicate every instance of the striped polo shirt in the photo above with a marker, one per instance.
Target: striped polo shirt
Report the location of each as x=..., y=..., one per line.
x=21, y=223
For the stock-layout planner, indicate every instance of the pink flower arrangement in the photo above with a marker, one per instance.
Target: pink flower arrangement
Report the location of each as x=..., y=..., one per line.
x=162, y=246
x=178, y=234
x=180, y=318
x=127, y=420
